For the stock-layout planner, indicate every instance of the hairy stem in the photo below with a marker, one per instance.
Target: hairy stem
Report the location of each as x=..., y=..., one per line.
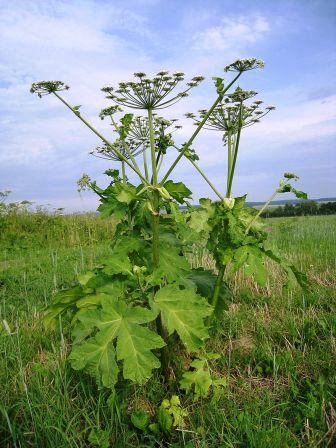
x=155, y=242
x=144, y=154
x=235, y=154
x=152, y=146
x=229, y=160
x=123, y=171
x=232, y=158
x=218, y=285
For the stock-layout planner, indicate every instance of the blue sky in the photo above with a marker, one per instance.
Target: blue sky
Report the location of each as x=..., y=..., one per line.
x=44, y=149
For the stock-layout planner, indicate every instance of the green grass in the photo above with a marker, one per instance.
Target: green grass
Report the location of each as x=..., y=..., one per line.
x=277, y=349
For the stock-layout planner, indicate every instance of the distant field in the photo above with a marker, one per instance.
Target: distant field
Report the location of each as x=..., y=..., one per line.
x=278, y=349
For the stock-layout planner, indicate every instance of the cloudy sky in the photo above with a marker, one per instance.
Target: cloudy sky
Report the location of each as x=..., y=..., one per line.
x=44, y=148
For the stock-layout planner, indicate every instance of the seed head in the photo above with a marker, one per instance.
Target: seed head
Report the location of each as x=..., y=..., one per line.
x=163, y=128
x=150, y=93
x=46, y=87
x=243, y=65
x=84, y=182
x=126, y=148
x=232, y=113
x=140, y=75
x=240, y=95
x=108, y=111
x=291, y=176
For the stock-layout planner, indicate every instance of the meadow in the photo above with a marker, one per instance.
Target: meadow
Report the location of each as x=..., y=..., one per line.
x=277, y=348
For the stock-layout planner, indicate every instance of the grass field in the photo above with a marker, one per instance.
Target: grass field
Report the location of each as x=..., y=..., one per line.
x=277, y=349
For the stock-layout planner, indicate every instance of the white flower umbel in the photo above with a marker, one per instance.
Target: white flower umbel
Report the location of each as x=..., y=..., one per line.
x=151, y=93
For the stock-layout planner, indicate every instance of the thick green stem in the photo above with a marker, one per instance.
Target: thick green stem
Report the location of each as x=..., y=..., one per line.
x=144, y=153
x=117, y=152
x=156, y=243
x=199, y=127
x=231, y=168
x=156, y=230
x=156, y=259
x=218, y=285
x=160, y=163
x=123, y=171
x=235, y=154
x=229, y=161
x=152, y=146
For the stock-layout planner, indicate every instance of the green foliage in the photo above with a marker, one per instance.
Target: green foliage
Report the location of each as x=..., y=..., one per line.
x=304, y=208
x=144, y=307
x=134, y=343
x=168, y=416
x=286, y=340
x=184, y=311
x=201, y=378
x=287, y=188
x=126, y=122
x=99, y=438
x=178, y=191
x=172, y=265
x=140, y=420
x=236, y=238
x=173, y=408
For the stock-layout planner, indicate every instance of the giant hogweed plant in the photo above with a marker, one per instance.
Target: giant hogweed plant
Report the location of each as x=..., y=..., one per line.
x=144, y=301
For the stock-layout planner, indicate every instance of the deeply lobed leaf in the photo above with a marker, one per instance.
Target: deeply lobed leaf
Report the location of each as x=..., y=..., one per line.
x=184, y=311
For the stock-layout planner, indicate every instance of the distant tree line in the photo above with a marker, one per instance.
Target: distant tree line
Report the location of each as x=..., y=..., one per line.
x=301, y=209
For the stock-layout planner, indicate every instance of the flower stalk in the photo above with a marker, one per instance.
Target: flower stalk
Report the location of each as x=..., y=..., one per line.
x=119, y=154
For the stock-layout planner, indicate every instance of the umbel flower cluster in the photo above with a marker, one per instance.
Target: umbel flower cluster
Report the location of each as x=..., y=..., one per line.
x=138, y=138
x=46, y=87
x=232, y=114
x=243, y=65
x=128, y=149
x=151, y=93
x=139, y=128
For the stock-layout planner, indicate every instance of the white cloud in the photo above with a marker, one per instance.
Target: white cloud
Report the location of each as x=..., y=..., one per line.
x=232, y=32
x=300, y=122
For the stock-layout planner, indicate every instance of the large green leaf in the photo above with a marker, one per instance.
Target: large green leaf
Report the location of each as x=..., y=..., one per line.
x=97, y=357
x=112, y=206
x=198, y=220
x=126, y=122
x=118, y=321
x=253, y=260
x=128, y=244
x=200, y=378
x=238, y=204
x=184, y=311
x=117, y=264
x=205, y=281
x=178, y=191
x=62, y=301
x=293, y=275
x=172, y=265
x=125, y=193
